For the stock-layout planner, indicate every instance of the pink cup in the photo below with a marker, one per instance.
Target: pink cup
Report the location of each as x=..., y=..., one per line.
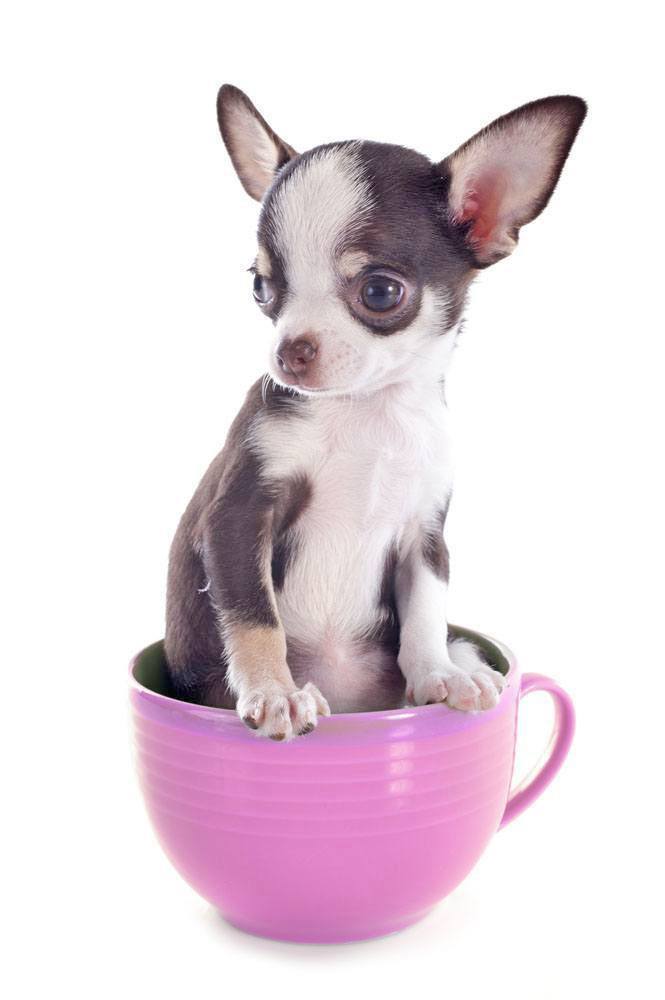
x=351, y=832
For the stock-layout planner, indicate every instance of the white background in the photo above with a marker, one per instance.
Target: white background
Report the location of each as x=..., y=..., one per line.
x=129, y=339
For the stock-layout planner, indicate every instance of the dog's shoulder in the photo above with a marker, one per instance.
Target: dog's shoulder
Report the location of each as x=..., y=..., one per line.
x=265, y=402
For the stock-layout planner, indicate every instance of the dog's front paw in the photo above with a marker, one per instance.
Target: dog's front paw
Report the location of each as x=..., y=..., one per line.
x=468, y=691
x=281, y=713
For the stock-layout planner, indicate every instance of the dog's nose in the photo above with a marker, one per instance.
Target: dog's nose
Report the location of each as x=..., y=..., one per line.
x=294, y=356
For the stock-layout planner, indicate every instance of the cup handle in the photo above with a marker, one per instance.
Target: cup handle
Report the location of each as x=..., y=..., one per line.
x=555, y=753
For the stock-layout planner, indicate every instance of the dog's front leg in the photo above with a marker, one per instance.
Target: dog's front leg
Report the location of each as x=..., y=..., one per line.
x=237, y=555
x=436, y=671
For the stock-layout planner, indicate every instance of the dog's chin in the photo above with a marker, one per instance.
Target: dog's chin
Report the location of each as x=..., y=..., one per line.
x=305, y=390
x=301, y=388
x=354, y=387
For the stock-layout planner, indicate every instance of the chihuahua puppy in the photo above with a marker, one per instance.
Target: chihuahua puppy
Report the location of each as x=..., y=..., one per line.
x=309, y=572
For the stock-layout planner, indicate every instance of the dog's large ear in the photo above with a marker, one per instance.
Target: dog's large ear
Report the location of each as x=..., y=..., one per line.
x=256, y=151
x=503, y=177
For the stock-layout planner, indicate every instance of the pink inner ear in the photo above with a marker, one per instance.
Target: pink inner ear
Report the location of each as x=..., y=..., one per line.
x=482, y=206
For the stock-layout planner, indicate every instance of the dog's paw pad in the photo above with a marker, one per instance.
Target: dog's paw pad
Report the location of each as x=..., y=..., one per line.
x=432, y=691
x=280, y=714
x=467, y=658
x=456, y=688
x=491, y=684
x=463, y=693
x=489, y=691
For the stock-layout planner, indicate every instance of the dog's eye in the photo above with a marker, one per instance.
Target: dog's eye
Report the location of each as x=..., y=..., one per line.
x=263, y=290
x=380, y=293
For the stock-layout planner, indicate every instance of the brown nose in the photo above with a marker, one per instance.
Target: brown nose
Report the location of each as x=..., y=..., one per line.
x=294, y=356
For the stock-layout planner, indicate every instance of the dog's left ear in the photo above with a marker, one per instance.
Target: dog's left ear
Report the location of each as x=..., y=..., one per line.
x=503, y=177
x=256, y=151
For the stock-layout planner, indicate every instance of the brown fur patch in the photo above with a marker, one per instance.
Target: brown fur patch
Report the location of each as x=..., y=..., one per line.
x=435, y=550
x=386, y=630
x=294, y=499
x=237, y=536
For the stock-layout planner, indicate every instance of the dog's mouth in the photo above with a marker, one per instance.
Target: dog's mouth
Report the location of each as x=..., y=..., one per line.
x=311, y=390
x=318, y=390
x=297, y=384
x=352, y=389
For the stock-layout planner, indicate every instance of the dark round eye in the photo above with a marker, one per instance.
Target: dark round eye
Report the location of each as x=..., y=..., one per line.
x=263, y=290
x=379, y=294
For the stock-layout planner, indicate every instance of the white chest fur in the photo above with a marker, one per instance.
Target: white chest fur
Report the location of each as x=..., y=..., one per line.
x=379, y=465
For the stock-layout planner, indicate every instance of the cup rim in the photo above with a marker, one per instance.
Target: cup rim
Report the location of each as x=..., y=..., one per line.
x=189, y=713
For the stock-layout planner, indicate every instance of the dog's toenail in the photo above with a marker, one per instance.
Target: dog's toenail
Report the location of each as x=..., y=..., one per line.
x=249, y=721
x=278, y=737
x=307, y=729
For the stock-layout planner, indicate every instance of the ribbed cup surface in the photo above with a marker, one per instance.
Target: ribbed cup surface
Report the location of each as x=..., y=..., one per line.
x=353, y=831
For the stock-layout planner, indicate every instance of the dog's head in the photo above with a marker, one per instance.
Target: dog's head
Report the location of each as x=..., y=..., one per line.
x=366, y=250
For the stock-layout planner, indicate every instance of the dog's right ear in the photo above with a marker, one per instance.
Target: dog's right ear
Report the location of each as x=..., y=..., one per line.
x=256, y=151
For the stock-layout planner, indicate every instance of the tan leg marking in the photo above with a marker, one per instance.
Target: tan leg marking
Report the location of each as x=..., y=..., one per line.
x=267, y=697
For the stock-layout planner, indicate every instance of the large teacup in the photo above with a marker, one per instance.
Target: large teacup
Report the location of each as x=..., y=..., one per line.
x=353, y=831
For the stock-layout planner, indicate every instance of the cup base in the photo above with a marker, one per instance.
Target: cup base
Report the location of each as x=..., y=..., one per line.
x=344, y=935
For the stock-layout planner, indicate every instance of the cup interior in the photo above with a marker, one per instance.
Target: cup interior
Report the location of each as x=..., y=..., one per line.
x=150, y=670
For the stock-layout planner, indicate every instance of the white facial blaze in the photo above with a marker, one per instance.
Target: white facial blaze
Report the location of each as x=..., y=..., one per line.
x=321, y=203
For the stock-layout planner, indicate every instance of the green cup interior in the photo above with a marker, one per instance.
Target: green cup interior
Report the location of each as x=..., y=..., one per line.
x=151, y=672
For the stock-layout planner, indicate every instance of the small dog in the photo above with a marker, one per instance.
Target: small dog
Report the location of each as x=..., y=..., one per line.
x=309, y=572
